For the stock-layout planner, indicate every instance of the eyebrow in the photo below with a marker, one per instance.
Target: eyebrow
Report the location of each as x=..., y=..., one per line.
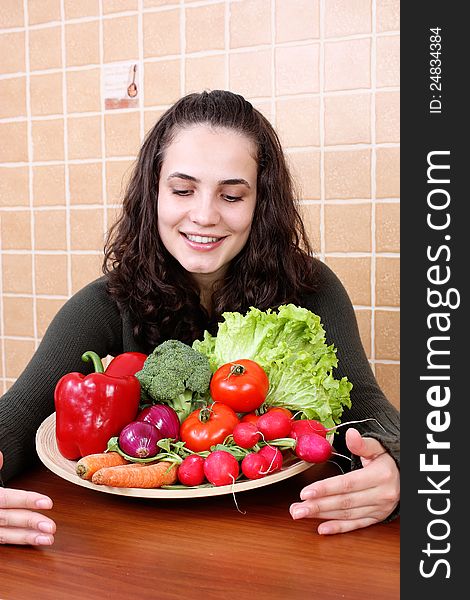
x=234, y=181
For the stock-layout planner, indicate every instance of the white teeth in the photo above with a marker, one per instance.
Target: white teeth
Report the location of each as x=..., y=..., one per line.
x=202, y=240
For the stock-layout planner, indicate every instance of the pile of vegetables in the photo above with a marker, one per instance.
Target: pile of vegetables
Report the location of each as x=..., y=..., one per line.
x=231, y=406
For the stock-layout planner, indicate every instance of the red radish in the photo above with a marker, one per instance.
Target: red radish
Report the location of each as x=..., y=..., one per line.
x=221, y=468
x=274, y=425
x=305, y=426
x=246, y=435
x=313, y=448
x=191, y=470
x=274, y=456
x=255, y=465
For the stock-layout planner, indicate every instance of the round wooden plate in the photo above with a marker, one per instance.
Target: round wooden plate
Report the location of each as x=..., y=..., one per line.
x=49, y=454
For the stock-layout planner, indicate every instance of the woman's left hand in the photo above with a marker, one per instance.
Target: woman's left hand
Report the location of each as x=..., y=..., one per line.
x=358, y=498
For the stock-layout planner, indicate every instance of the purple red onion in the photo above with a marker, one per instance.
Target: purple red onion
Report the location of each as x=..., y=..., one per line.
x=164, y=418
x=139, y=439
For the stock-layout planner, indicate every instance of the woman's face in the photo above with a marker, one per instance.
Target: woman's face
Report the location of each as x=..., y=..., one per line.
x=206, y=199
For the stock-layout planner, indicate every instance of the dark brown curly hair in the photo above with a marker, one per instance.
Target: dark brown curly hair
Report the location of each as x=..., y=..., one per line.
x=274, y=267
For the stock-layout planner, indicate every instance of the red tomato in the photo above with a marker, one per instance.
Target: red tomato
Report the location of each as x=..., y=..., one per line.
x=250, y=418
x=208, y=426
x=242, y=385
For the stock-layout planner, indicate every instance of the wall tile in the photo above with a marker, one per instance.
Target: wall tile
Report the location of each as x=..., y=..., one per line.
x=151, y=117
x=388, y=15
x=117, y=176
x=297, y=20
x=18, y=316
x=43, y=11
x=310, y=214
x=85, y=268
x=205, y=72
x=14, y=186
x=205, y=28
x=83, y=91
x=51, y=274
x=161, y=33
x=17, y=148
x=305, y=168
x=84, y=137
x=46, y=94
x=46, y=309
x=387, y=334
x=388, y=61
x=112, y=6
x=122, y=136
x=348, y=228
x=354, y=273
x=387, y=111
x=84, y=8
x=298, y=121
x=364, y=323
x=18, y=353
x=255, y=30
x=48, y=185
x=11, y=14
x=250, y=73
x=347, y=17
x=387, y=227
x=388, y=377
x=347, y=119
x=152, y=3
x=82, y=43
x=48, y=140
x=162, y=82
x=16, y=230
x=388, y=172
x=347, y=65
x=45, y=48
x=120, y=39
x=347, y=174
x=12, y=97
x=387, y=281
x=50, y=230
x=12, y=52
x=297, y=69
x=85, y=183
x=17, y=274
x=86, y=229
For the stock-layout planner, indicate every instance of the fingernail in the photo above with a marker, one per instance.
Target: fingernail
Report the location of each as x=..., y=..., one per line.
x=45, y=526
x=43, y=540
x=44, y=503
x=324, y=530
x=307, y=494
x=300, y=513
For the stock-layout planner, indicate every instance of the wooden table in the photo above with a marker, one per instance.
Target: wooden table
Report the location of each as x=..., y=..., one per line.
x=109, y=546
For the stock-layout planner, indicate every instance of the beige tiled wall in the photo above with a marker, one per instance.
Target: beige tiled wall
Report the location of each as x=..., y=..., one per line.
x=325, y=72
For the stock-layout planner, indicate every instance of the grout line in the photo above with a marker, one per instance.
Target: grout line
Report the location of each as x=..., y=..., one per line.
x=182, y=34
x=2, y=318
x=66, y=152
x=140, y=70
x=227, y=39
x=373, y=175
x=104, y=170
x=322, y=130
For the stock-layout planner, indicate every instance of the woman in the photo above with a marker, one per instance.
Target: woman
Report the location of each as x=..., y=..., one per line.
x=209, y=225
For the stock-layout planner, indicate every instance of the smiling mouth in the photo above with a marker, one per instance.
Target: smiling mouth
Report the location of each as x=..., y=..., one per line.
x=202, y=239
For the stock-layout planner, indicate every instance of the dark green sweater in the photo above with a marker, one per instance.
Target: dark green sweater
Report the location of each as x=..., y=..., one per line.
x=90, y=320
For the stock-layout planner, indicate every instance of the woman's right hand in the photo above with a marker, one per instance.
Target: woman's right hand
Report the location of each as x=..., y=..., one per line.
x=19, y=521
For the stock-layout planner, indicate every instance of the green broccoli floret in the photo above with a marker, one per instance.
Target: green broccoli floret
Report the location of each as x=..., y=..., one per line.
x=176, y=374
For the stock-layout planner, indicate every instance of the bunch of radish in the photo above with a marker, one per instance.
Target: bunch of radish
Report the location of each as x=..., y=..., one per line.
x=258, y=442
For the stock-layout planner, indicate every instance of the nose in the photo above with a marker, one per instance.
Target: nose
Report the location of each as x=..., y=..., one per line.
x=204, y=210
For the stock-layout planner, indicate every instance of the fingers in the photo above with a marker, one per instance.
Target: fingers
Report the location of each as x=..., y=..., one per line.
x=10, y=498
x=18, y=524
x=367, y=448
x=332, y=527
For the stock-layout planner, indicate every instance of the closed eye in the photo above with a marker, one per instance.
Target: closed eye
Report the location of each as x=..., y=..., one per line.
x=182, y=192
x=232, y=198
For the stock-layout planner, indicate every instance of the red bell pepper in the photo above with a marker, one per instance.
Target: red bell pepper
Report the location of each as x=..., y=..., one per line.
x=127, y=363
x=92, y=409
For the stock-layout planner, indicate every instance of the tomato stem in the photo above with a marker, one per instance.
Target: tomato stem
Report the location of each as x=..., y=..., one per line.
x=205, y=414
x=236, y=369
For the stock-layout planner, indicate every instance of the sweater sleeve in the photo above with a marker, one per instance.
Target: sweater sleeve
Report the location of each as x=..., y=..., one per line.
x=368, y=401
x=88, y=321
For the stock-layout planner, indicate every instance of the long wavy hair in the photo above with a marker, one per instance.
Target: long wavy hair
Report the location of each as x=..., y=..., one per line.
x=274, y=267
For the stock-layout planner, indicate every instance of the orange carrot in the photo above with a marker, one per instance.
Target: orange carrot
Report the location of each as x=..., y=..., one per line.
x=130, y=476
x=88, y=465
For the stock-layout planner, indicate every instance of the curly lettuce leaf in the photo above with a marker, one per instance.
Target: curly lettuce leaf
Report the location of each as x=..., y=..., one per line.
x=290, y=344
